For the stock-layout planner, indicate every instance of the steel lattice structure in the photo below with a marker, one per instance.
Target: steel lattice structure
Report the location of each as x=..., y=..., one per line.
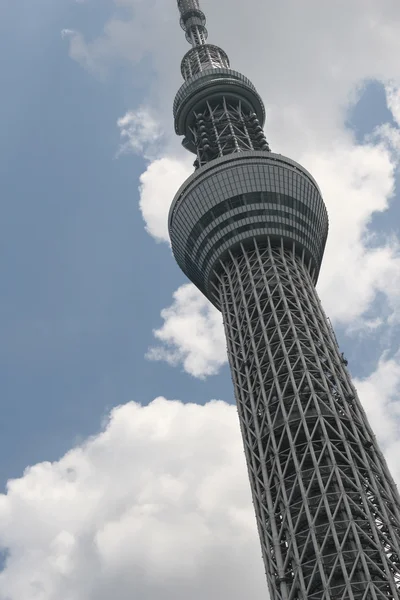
x=249, y=228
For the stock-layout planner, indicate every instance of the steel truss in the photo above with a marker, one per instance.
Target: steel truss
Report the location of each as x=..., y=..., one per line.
x=327, y=508
x=193, y=22
x=201, y=58
x=225, y=127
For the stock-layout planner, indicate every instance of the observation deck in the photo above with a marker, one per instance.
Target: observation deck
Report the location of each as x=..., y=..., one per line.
x=235, y=199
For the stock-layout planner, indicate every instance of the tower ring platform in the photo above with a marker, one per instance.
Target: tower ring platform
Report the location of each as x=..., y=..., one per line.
x=235, y=199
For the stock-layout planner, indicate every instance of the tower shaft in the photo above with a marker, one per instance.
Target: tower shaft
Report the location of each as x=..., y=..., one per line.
x=326, y=506
x=249, y=229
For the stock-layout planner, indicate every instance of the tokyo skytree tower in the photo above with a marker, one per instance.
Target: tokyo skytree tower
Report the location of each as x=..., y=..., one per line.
x=249, y=229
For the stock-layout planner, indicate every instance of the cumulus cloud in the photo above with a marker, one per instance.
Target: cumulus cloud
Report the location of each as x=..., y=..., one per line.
x=380, y=393
x=326, y=53
x=156, y=504
x=386, y=132
x=158, y=186
x=357, y=182
x=393, y=100
x=78, y=50
x=140, y=133
x=125, y=36
x=192, y=334
x=308, y=86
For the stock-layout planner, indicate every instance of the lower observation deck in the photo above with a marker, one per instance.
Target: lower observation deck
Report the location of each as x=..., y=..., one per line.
x=239, y=198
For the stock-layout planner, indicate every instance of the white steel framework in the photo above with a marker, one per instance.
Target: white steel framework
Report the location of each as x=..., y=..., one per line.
x=327, y=508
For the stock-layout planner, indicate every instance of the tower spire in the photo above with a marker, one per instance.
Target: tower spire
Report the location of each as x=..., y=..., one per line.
x=193, y=22
x=202, y=56
x=218, y=110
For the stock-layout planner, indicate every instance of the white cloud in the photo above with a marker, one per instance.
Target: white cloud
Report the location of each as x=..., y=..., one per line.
x=140, y=133
x=157, y=504
x=380, y=394
x=393, y=100
x=158, y=185
x=307, y=86
x=326, y=52
x=78, y=50
x=357, y=181
x=192, y=334
x=66, y=33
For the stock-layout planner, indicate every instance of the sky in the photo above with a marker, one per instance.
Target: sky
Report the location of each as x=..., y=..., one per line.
x=122, y=467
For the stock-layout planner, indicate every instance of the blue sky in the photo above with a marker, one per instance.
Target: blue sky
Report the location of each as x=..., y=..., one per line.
x=83, y=283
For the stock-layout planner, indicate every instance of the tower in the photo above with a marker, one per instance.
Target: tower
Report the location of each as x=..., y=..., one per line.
x=249, y=229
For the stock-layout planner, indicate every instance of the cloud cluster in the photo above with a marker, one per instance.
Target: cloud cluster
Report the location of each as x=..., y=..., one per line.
x=358, y=182
x=158, y=185
x=140, y=133
x=192, y=334
x=158, y=504
x=380, y=393
x=393, y=100
x=326, y=54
